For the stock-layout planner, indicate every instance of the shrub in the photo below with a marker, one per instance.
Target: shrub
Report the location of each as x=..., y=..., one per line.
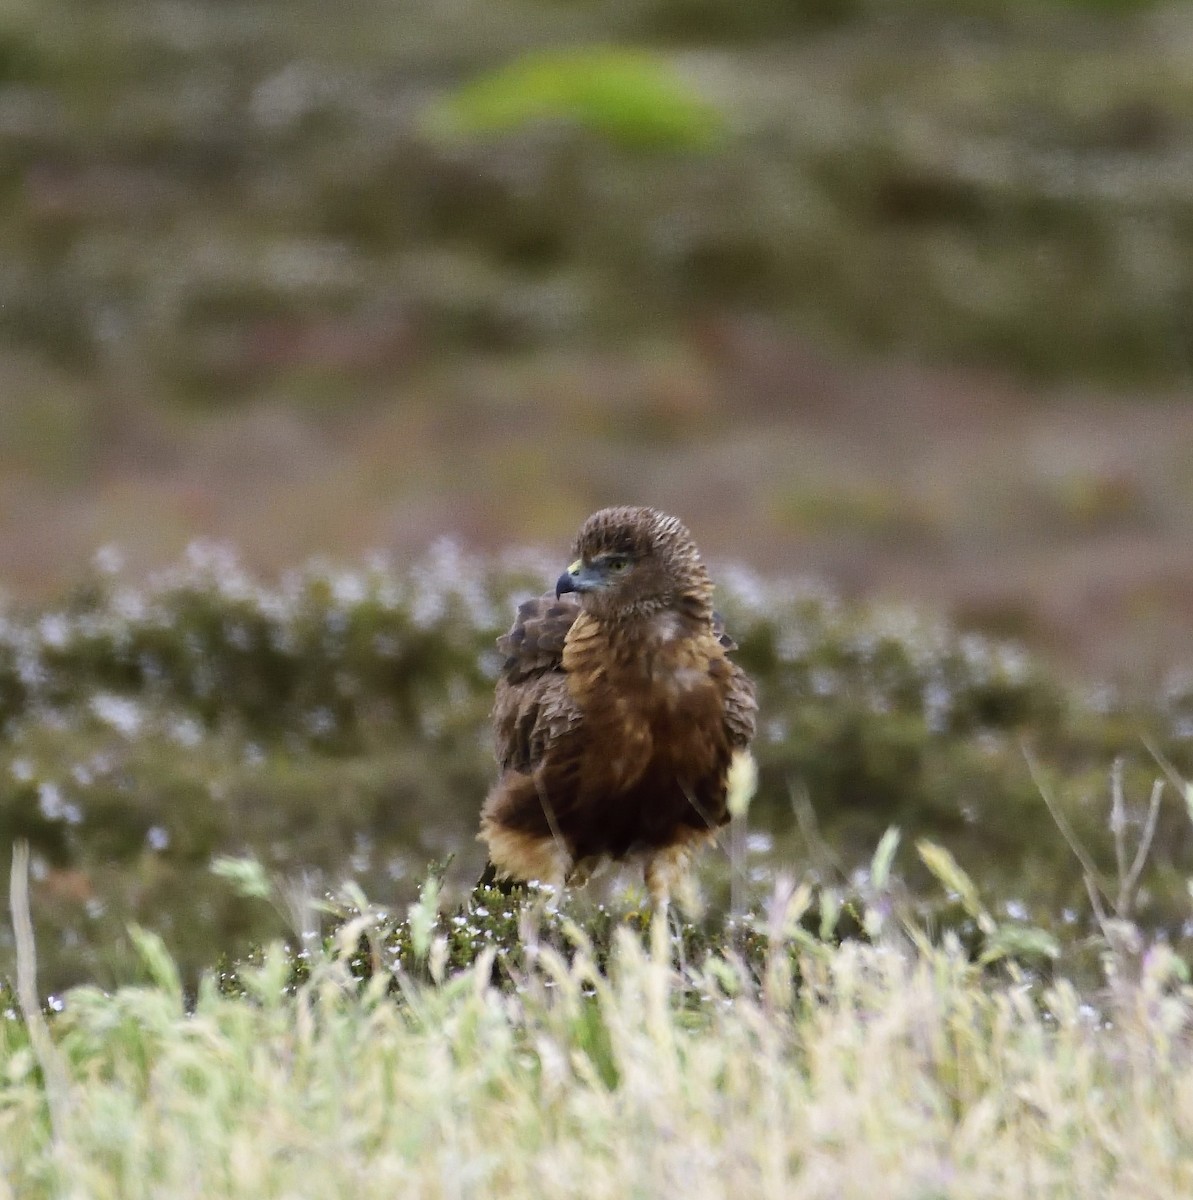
x=335, y=722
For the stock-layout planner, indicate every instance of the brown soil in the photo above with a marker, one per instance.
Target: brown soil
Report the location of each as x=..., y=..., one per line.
x=1061, y=518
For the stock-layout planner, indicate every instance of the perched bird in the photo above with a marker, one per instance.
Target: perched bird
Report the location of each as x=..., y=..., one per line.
x=618, y=713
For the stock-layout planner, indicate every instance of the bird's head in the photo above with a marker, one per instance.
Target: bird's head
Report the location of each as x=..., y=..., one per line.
x=635, y=562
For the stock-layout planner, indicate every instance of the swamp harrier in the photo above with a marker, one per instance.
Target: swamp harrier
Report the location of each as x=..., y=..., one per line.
x=618, y=713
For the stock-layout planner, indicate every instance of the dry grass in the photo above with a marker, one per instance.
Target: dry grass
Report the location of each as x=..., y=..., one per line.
x=896, y=1070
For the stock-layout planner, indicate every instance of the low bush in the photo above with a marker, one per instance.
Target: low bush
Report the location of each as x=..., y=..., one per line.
x=333, y=724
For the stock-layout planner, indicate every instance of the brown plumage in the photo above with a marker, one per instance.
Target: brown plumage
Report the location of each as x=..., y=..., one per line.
x=617, y=713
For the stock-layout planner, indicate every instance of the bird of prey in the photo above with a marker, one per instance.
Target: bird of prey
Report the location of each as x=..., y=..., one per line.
x=618, y=713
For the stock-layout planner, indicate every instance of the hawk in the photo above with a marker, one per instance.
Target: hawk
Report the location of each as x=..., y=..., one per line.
x=618, y=712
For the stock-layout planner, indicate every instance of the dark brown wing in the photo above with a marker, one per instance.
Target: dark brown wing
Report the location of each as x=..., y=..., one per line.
x=741, y=708
x=535, y=643
x=533, y=706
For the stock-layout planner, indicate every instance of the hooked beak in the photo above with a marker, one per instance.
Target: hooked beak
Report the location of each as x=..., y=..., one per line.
x=578, y=578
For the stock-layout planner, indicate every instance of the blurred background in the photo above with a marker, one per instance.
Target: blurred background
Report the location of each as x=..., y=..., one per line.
x=892, y=294
x=899, y=294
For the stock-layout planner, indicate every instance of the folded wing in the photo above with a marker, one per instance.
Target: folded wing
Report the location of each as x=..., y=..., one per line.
x=532, y=706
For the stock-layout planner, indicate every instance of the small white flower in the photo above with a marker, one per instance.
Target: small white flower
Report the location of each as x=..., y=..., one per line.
x=50, y=802
x=119, y=712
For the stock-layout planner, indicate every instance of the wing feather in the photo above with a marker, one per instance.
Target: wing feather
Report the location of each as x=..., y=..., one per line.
x=535, y=643
x=739, y=703
x=533, y=706
x=741, y=709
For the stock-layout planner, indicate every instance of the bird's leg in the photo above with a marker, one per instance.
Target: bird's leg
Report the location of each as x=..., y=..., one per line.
x=579, y=874
x=563, y=861
x=658, y=874
x=667, y=878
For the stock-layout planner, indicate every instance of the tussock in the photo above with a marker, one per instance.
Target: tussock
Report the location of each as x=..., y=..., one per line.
x=854, y=1071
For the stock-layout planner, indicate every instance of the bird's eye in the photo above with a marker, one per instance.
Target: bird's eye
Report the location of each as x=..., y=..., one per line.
x=617, y=562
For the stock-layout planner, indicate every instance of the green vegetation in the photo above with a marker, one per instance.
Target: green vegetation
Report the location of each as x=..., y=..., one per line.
x=625, y=97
